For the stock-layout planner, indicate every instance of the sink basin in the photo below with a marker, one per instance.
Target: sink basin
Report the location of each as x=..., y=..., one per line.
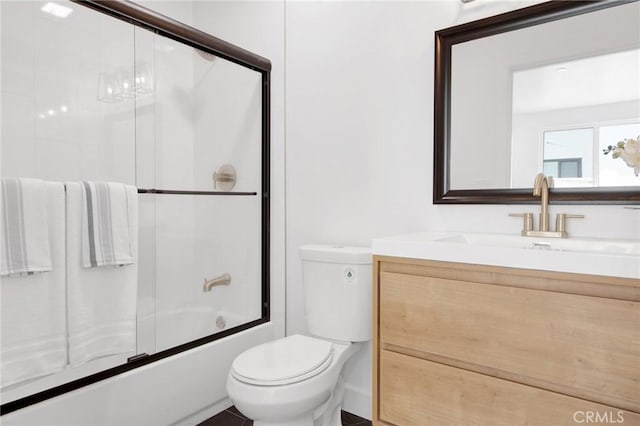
x=585, y=245
x=616, y=258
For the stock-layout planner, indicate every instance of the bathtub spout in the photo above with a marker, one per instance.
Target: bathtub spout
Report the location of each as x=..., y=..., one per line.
x=224, y=279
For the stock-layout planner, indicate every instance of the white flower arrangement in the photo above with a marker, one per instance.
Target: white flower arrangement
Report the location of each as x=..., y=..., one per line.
x=629, y=151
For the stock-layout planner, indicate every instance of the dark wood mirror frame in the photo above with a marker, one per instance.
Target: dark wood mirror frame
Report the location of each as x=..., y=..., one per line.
x=510, y=21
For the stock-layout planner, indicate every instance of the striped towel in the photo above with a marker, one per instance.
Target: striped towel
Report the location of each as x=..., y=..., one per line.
x=25, y=234
x=106, y=240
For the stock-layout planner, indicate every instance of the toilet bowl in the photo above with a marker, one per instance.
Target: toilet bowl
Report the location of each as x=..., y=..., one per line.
x=296, y=380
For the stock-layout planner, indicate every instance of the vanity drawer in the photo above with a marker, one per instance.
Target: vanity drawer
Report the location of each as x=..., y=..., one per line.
x=418, y=392
x=587, y=347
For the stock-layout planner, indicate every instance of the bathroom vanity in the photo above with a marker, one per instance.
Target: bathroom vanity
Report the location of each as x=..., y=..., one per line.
x=476, y=342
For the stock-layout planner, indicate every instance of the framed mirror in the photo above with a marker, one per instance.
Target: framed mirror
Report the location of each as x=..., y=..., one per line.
x=550, y=88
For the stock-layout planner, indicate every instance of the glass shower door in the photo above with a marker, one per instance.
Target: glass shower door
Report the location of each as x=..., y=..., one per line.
x=90, y=98
x=199, y=155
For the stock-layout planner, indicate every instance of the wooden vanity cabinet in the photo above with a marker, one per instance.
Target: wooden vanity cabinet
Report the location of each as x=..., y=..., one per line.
x=461, y=344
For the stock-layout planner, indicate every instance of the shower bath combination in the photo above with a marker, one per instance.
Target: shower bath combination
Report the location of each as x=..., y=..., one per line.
x=179, y=118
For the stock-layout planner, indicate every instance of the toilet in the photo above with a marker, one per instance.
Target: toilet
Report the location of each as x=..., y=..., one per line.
x=296, y=380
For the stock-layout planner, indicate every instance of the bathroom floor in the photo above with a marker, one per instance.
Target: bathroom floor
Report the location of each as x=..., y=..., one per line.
x=233, y=417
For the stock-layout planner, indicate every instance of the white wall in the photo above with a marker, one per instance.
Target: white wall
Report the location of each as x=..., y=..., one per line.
x=359, y=121
x=359, y=135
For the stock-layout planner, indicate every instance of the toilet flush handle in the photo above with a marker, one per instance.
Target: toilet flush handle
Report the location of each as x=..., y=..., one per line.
x=349, y=274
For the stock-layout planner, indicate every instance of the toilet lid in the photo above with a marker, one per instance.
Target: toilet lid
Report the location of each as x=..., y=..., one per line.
x=283, y=361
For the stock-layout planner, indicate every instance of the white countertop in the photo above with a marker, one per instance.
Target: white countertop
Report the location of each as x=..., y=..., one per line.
x=616, y=258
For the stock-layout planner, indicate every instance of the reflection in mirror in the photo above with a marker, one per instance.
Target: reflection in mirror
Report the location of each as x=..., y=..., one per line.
x=592, y=99
x=98, y=116
x=576, y=157
x=568, y=157
x=549, y=96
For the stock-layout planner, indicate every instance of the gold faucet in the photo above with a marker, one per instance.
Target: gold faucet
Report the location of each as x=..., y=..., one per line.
x=541, y=186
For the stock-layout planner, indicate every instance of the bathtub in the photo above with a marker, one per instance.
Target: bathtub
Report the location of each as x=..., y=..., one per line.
x=177, y=326
x=180, y=390
x=155, y=333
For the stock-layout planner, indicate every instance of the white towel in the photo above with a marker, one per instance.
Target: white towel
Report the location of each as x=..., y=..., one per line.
x=101, y=302
x=106, y=240
x=25, y=234
x=33, y=308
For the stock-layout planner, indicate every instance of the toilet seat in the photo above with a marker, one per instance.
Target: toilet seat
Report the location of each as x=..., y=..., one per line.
x=284, y=361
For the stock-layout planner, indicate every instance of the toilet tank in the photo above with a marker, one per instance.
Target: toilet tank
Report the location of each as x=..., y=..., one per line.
x=337, y=291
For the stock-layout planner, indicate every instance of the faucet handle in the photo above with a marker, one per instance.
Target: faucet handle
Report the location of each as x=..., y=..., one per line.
x=561, y=221
x=527, y=222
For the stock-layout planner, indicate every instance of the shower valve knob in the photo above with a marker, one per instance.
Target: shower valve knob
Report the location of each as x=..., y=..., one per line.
x=225, y=178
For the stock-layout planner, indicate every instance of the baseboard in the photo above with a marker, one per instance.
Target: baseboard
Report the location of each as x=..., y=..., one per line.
x=357, y=401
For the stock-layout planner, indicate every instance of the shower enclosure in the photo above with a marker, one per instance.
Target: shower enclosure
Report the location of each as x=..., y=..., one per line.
x=100, y=91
